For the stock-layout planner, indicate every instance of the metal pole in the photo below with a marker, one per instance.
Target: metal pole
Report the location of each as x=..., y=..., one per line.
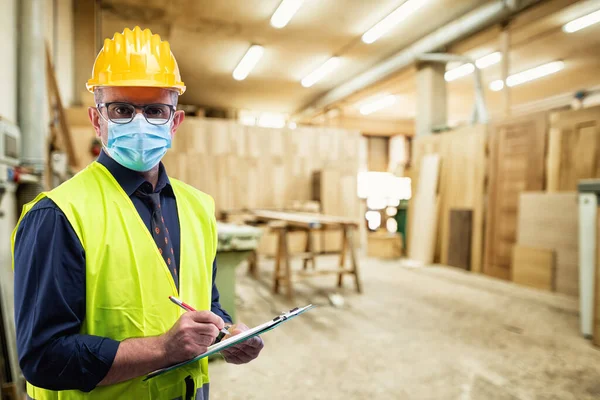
x=32, y=83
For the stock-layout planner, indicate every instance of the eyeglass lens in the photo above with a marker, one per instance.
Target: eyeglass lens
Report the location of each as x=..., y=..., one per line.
x=122, y=113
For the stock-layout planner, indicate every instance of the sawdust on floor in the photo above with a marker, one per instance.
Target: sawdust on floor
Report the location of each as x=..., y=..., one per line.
x=415, y=333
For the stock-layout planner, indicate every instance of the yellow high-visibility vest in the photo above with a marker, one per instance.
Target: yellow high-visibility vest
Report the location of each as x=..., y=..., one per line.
x=127, y=281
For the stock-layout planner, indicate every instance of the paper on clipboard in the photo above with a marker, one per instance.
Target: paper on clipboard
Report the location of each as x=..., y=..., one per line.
x=215, y=348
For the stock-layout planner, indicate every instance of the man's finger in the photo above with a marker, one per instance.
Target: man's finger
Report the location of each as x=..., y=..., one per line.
x=255, y=342
x=207, y=317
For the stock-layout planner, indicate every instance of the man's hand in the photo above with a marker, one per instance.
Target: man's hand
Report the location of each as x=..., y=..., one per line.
x=191, y=335
x=245, y=351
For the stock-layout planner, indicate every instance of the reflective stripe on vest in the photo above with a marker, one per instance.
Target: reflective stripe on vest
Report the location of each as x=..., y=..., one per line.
x=127, y=280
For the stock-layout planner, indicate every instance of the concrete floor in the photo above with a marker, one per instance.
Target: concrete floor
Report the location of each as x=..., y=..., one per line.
x=428, y=333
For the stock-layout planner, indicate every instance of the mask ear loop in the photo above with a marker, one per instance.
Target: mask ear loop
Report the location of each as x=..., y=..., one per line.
x=104, y=146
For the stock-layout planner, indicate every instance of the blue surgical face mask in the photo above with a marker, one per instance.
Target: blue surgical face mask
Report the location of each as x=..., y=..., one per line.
x=138, y=145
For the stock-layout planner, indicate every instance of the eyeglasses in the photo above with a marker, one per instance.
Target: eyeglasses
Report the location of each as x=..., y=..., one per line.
x=124, y=113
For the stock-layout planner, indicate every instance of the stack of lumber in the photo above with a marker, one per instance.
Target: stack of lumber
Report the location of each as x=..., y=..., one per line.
x=383, y=244
x=82, y=135
x=247, y=167
x=547, y=228
x=517, y=151
x=461, y=185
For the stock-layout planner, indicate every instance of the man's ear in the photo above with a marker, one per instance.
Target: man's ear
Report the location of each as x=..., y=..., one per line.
x=94, y=117
x=177, y=120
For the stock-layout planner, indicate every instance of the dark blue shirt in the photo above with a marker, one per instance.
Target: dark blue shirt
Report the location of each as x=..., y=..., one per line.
x=50, y=289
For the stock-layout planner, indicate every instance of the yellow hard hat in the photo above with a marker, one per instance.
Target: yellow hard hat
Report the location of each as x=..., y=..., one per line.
x=136, y=58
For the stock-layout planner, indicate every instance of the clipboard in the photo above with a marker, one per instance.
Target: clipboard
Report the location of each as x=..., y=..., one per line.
x=232, y=341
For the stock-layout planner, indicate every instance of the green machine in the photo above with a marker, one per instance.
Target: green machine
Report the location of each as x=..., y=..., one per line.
x=236, y=242
x=400, y=218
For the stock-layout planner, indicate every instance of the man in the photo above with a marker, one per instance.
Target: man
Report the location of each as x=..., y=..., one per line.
x=96, y=258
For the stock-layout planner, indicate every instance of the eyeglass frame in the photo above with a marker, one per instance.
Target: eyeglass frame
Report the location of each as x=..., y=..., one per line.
x=136, y=107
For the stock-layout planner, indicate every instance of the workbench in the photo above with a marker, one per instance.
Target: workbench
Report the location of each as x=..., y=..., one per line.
x=285, y=222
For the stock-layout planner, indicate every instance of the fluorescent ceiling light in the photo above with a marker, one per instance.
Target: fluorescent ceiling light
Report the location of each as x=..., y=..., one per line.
x=393, y=19
x=248, y=62
x=459, y=72
x=583, y=22
x=378, y=104
x=489, y=60
x=284, y=13
x=320, y=72
x=466, y=69
x=529, y=75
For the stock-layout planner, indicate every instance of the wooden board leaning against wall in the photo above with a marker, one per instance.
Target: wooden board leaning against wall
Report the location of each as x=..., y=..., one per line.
x=517, y=149
x=573, y=148
x=461, y=182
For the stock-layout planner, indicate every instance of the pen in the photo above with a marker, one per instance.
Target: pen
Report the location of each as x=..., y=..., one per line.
x=187, y=307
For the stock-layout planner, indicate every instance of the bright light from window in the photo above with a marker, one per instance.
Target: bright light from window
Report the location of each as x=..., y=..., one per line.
x=392, y=225
x=373, y=219
x=393, y=19
x=271, y=120
x=284, y=13
x=583, y=22
x=292, y=125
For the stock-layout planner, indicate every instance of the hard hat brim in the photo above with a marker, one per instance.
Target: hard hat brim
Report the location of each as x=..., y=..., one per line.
x=91, y=86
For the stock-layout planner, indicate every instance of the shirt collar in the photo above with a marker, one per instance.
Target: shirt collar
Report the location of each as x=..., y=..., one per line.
x=131, y=180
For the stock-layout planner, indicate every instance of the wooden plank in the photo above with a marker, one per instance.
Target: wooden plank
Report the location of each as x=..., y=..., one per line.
x=596, y=327
x=305, y=220
x=56, y=101
x=378, y=157
x=461, y=183
x=461, y=228
x=549, y=221
x=517, y=164
x=534, y=267
x=423, y=224
x=574, y=148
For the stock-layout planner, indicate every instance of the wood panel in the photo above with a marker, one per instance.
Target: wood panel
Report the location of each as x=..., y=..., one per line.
x=384, y=245
x=534, y=267
x=596, y=327
x=549, y=221
x=462, y=180
x=378, y=157
x=459, y=246
x=517, y=164
x=574, y=148
x=424, y=222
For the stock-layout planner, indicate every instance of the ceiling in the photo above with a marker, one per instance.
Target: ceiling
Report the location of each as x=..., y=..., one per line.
x=536, y=38
x=210, y=37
